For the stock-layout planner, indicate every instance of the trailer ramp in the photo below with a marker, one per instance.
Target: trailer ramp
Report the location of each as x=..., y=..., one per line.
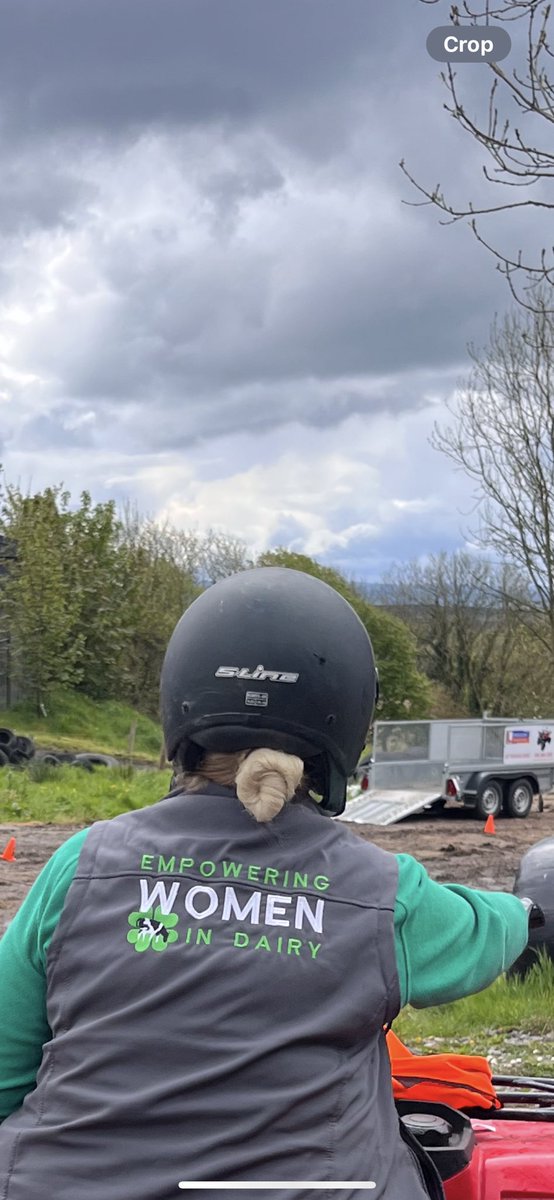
x=385, y=808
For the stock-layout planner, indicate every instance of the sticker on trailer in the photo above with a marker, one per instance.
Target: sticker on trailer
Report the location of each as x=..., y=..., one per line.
x=531, y=743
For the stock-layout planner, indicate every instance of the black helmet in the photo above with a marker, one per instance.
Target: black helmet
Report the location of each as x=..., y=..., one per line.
x=271, y=657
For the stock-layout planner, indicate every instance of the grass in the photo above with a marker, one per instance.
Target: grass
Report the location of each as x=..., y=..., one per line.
x=72, y=795
x=74, y=722
x=511, y=1023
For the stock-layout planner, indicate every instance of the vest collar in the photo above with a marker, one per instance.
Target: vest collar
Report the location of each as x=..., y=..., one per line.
x=217, y=790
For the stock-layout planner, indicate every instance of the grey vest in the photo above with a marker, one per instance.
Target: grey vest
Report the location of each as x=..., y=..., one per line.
x=217, y=990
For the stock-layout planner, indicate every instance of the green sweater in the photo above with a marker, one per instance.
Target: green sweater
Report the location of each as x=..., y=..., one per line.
x=450, y=941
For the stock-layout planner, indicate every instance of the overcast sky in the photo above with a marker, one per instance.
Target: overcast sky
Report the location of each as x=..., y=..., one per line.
x=213, y=299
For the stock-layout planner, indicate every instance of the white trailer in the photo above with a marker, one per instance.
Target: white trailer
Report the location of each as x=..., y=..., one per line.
x=494, y=766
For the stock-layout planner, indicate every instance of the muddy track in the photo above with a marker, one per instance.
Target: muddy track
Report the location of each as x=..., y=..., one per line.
x=451, y=845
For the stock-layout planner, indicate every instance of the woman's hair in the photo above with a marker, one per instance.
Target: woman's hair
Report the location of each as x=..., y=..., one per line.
x=265, y=780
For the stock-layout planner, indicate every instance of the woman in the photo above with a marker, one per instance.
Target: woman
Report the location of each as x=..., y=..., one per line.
x=196, y=992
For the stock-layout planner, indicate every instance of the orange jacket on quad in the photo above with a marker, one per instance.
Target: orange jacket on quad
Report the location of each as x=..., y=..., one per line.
x=460, y=1080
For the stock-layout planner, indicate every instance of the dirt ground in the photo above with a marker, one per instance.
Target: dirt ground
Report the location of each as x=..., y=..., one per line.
x=454, y=848
x=451, y=845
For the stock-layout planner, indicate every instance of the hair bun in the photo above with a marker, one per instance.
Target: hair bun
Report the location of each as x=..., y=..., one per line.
x=267, y=780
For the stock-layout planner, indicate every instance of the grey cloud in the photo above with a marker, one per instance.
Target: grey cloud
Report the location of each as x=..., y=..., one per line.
x=226, y=189
x=312, y=70
x=370, y=558
x=45, y=431
x=70, y=61
x=186, y=349
x=38, y=190
x=288, y=531
x=192, y=336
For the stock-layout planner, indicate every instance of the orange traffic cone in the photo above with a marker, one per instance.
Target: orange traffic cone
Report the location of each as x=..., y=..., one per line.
x=9, y=853
x=489, y=825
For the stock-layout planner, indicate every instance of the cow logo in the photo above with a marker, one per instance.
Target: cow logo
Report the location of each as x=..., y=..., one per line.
x=152, y=930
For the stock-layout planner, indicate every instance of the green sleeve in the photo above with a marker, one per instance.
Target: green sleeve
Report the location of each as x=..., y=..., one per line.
x=451, y=940
x=23, y=1022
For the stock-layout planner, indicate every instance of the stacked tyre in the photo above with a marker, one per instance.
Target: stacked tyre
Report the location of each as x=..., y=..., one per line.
x=90, y=760
x=15, y=750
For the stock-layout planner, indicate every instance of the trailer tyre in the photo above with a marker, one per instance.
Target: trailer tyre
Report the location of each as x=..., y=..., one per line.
x=489, y=799
x=519, y=798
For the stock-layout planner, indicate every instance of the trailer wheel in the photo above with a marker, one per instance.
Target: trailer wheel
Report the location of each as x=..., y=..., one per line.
x=519, y=799
x=489, y=799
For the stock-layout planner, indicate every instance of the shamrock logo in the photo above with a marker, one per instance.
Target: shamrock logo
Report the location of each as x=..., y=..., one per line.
x=152, y=930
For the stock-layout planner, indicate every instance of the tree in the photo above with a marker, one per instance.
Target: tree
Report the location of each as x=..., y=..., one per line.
x=41, y=612
x=90, y=599
x=521, y=154
x=156, y=590
x=204, y=557
x=221, y=554
x=471, y=642
x=502, y=436
x=405, y=691
x=95, y=583
x=163, y=569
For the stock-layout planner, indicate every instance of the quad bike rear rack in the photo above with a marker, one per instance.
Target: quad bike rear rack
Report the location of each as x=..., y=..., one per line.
x=532, y=1096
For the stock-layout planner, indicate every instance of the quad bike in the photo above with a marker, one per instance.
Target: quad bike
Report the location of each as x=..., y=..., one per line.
x=488, y=1137
x=507, y=1154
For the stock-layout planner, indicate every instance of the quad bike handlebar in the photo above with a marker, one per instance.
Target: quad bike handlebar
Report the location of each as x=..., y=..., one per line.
x=534, y=912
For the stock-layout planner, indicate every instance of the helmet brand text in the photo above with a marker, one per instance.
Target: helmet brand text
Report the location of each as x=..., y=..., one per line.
x=260, y=674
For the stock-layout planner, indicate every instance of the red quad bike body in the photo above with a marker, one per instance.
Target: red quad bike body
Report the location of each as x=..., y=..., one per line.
x=511, y=1160
x=507, y=1154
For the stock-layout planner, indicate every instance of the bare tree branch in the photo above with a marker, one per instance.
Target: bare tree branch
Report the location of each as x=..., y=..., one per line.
x=517, y=161
x=502, y=436
x=473, y=641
